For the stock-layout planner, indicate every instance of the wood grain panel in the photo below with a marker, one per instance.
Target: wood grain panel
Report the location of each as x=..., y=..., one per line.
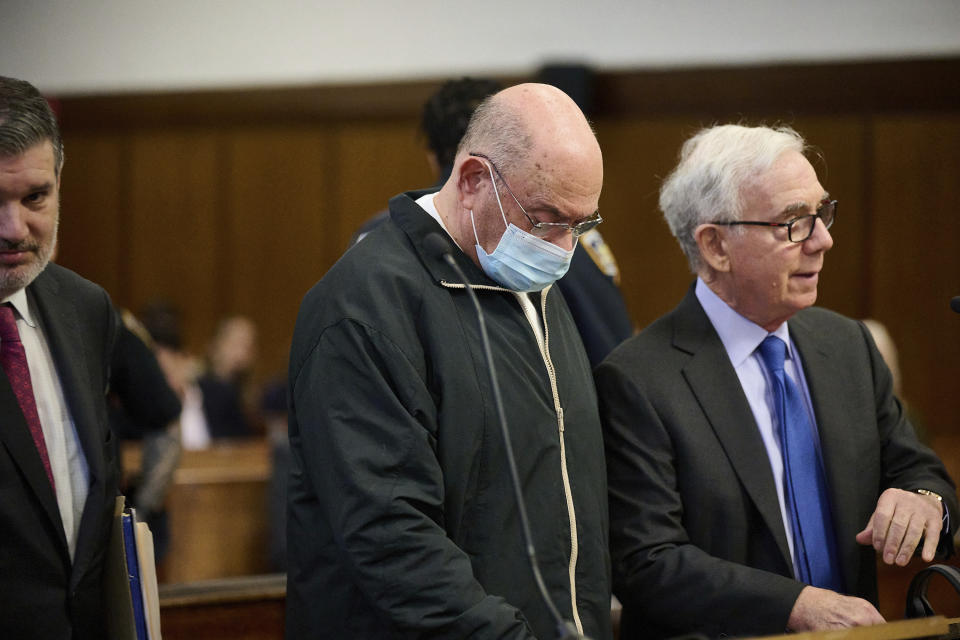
x=217, y=508
x=823, y=89
x=172, y=225
x=375, y=161
x=92, y=212
x=842, y=163
x=249, y=620
x=637, y=155
x=283, y=228
x=916, y=257
x=251, y=107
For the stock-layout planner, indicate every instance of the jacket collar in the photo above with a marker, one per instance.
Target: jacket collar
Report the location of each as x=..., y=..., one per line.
x=417, y=224
x=15, y=436
x=714, y=382
x=61, y=325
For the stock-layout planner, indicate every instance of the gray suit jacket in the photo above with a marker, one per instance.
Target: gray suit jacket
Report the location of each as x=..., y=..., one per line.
x=697, y=538
x=44, y=594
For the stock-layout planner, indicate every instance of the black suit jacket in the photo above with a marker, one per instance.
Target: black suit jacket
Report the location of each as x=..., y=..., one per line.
x=697, y=537
x=44, y=595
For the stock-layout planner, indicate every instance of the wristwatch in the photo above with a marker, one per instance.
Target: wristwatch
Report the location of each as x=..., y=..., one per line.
x=927, y=492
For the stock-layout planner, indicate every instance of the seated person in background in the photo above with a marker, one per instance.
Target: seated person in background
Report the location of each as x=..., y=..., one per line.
x=230, y=360
x=162, y=322
x=757, y=457
x=144, y=407
x=888, y=349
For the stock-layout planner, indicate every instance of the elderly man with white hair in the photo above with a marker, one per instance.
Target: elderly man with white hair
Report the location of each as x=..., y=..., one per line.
x=756, y=454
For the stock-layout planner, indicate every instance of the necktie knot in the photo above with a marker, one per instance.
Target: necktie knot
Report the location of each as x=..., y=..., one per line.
x=773, y=351
x=8, y=324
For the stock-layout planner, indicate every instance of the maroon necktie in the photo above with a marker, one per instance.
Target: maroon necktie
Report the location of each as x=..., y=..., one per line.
x=14, y=361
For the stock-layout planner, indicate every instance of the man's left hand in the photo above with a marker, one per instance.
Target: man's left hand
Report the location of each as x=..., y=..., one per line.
x=899, y=521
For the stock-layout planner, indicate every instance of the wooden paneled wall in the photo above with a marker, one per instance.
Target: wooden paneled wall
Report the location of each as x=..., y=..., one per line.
x=238, y=201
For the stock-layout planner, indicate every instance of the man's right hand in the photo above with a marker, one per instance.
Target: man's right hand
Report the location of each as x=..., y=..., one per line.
x=817, y=609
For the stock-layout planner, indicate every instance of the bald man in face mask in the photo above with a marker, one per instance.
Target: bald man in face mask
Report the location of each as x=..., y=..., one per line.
x=402, y=519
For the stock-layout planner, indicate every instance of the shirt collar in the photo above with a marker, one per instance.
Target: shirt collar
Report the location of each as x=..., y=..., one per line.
x=426, y=203
x=19, y=302
x=740, y=337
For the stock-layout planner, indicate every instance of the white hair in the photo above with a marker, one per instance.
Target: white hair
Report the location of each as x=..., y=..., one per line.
x=715, y=165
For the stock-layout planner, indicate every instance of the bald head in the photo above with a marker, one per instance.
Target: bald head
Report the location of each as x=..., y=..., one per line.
x=544, y=153
x=532, y=123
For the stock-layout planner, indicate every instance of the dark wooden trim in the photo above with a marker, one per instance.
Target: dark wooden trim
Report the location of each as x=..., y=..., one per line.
x=262, y=105
x=907, y=85
x=224, y=590
x=794, y=89
x=868, y=203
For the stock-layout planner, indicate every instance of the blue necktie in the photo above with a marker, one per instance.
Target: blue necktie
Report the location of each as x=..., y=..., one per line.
x=808, y=504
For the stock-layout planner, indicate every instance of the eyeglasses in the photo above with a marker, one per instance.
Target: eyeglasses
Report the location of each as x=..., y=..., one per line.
x=800, y=228
x=544, y=228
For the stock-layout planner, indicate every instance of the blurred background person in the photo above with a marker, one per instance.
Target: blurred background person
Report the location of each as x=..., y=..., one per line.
x=144, y=407
x=224, y=384
x=162, y=322
x=888, y=349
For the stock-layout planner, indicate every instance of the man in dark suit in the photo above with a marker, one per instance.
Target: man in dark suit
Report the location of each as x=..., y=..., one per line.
x=58, y=478
x=756, y=453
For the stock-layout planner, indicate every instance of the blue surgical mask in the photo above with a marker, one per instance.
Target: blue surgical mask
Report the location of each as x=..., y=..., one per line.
x=521, y=261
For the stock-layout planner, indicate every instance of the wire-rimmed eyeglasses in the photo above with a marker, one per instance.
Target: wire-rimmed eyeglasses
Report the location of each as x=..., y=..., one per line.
x=544, y=228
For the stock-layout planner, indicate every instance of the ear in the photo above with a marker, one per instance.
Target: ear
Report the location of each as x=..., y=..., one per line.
x=713, y=244
x=471, y=175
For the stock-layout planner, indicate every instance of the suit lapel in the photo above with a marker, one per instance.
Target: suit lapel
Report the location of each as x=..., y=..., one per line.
x=16, y=437
x=826, y=379
x=65, y=337
x=715, y=384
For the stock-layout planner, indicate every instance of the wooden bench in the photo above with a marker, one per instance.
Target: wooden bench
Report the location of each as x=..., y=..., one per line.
x=217, y=510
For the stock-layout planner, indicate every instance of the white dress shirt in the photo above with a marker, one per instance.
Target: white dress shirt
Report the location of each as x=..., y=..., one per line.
x=67, y=460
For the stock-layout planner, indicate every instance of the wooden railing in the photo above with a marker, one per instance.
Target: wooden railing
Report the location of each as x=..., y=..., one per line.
x=248, y=608
x=217, y=511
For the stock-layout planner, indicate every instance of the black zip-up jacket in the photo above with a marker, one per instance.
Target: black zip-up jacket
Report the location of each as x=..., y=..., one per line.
x=402, y=520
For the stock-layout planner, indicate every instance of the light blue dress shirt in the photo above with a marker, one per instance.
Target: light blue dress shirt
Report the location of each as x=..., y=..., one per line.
x=740, y=338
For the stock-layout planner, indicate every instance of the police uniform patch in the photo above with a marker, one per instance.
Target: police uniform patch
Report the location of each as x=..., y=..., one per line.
x=599, y=251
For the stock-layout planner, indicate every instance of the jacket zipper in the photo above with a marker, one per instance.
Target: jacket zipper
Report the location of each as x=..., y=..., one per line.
x=568, y=493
